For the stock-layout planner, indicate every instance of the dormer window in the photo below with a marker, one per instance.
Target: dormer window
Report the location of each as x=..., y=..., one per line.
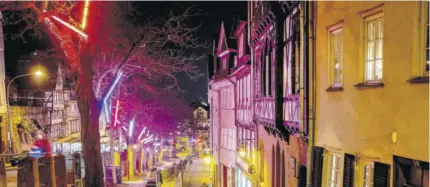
x=224, y=63
x=241, y=42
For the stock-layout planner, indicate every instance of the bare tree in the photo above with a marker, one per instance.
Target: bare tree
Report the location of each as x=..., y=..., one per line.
x=113, y=44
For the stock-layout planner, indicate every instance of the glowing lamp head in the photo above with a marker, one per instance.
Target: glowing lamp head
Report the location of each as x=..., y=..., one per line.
x=38, y=73
x=207, y=160
x=242, y=153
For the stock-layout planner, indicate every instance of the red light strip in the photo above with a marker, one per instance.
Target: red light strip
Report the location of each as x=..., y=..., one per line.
x=116, y=112
x=85, y=14
x=71, y=27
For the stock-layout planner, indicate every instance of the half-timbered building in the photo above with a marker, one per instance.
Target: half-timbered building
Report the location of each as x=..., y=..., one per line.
x=278, y=43
x=222, y=102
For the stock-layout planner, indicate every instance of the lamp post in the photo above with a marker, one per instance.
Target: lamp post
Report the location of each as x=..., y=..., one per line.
x=9, y=129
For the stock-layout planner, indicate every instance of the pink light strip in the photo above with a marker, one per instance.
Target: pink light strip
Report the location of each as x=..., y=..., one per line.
x=71, y=27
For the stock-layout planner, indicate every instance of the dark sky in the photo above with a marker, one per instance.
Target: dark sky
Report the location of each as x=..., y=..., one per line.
x=214, y=14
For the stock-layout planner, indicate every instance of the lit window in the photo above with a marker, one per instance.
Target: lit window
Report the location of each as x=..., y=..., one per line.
x=374, y=39
x=334, y=169
x=336, y=57
x=293, y=166
x=368, y=176
x=427, y=22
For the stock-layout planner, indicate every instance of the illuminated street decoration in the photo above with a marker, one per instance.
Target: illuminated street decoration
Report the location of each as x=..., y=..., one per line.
x=118, y=77
x=116, y=113
x=85, y=14
x=141, y=133
x=130, y=132
x=71, y=27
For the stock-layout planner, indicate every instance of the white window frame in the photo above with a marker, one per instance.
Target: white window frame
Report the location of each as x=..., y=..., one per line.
x=367, y=179
x=420, y=40
x=330, y=169
x=241, y=44
x=335, y=30
x=376, y=18
x=293, y=166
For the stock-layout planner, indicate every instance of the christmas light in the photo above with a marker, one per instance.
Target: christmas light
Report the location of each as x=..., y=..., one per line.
x=116, y=113
x=118, y=77
x=85, y=14
x=141, y=133
x=130, y=132
x=70, y=26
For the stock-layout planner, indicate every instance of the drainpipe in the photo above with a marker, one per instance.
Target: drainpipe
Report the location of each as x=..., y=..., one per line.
x=312, y=90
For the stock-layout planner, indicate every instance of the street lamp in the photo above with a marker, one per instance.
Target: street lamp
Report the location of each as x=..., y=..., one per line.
x=9, y=129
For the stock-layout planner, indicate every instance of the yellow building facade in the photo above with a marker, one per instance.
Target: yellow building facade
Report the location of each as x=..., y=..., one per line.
x=372, y=94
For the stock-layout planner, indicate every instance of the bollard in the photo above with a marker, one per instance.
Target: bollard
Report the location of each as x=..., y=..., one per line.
x=60, y=170
x=46, y=171
x=28, y=173
x=3, y=182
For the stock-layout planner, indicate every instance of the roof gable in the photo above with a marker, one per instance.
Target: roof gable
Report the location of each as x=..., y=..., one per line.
x=222, y=41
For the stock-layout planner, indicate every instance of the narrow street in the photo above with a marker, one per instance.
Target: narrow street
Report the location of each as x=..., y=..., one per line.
x=198, y=173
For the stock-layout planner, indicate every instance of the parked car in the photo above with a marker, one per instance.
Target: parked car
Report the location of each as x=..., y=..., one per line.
x=15, y=159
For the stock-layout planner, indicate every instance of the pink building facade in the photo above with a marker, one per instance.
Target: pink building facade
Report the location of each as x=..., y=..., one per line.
x=222, y=101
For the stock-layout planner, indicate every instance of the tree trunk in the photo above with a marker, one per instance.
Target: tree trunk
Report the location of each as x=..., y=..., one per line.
x=90, y=110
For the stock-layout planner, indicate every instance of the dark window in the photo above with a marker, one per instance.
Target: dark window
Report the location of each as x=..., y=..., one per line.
x=408, y=172
x=269, y=74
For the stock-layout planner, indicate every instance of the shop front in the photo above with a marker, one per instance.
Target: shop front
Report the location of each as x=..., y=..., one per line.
x=244, y=173
x=242, y=179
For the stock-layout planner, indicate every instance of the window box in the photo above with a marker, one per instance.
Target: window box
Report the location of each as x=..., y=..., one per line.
x=419, y=80
x=334, y=89
x=362, y=86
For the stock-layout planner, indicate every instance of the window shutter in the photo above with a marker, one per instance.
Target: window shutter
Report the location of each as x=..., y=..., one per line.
x=348, y=171
x=317, y=166
x=381, y=175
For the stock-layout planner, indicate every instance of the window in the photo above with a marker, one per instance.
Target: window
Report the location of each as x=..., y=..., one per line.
x=426, y=15
x=373, y=48
x=224, y=63
x=335, y=54
x=334, y=171
x=241, y=44
x=293, y=166
x=368, y=176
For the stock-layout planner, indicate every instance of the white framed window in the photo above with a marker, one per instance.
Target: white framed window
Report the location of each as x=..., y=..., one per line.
x=334, y=170
x=335, y=57
x=368, y=175
x=293, y=166
x=224, y=63
x=241, y=44
x=374, y=29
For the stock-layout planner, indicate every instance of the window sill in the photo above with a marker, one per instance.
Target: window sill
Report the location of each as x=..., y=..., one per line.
x=362, y=86
x=419, y=80
x=334, y=89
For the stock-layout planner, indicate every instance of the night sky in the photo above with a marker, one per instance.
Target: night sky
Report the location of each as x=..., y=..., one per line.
x=214, y=14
